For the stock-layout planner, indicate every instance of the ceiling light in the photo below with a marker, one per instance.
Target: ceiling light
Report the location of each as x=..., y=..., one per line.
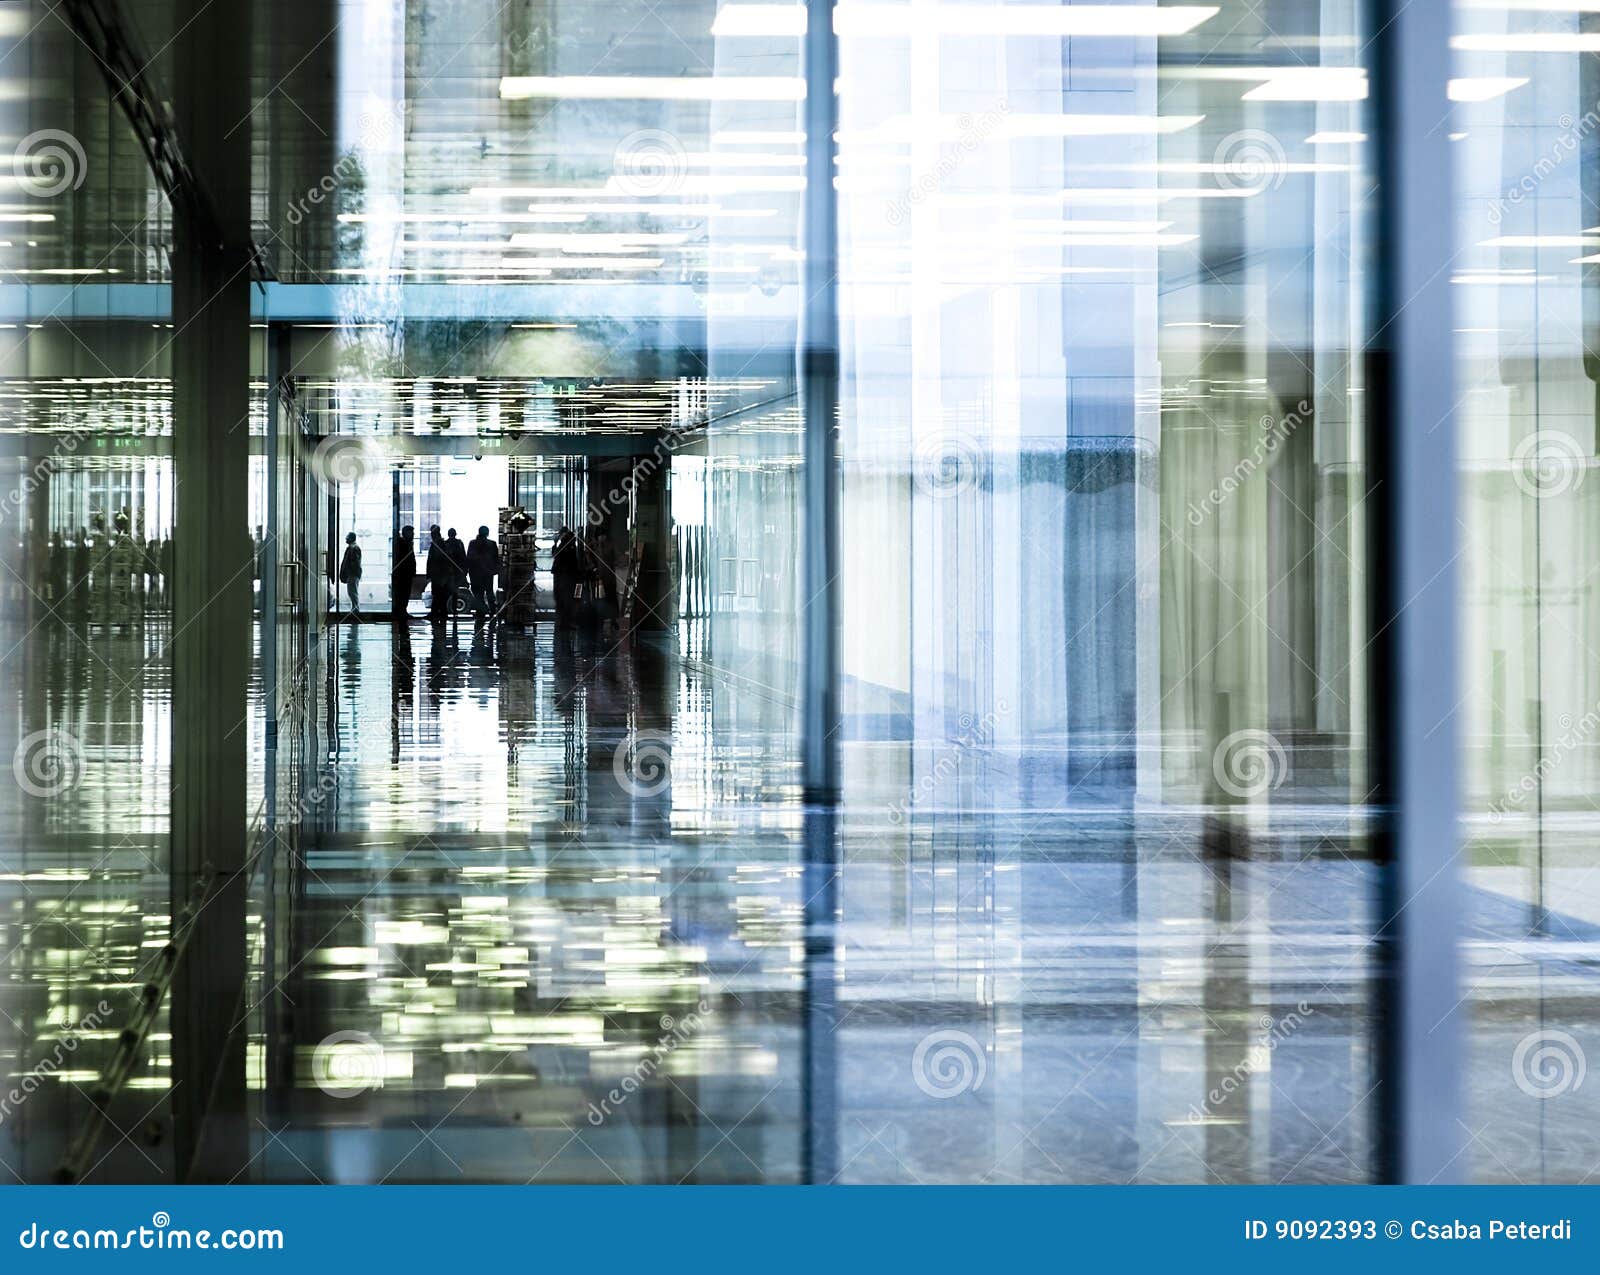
x=666, y=88
x=1555, y=42
x=1481, y=88
x=1311, y=84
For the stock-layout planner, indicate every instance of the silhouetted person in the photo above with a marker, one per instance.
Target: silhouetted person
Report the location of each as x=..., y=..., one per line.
x=58, y=569
x=80, y=570
x=457, y=553
x=566, y=570
x=441, y=572
x=404, y=572
x=350, y=573
x=483, y=565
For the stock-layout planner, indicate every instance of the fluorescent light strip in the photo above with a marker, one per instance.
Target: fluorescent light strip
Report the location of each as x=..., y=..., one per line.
x=567, y=215
x=1311, y=84
x=1568, y=42
x=789, y=20
x=663, y=88
x=1483, y=88
x=1539, y=241
x=756, y=137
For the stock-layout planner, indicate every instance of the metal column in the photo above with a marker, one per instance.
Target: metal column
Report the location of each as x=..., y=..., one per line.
x=211, y=276
x=819, y=389
x=1415, y=617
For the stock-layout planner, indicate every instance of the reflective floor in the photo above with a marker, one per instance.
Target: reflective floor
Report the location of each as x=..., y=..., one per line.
x=538, y=911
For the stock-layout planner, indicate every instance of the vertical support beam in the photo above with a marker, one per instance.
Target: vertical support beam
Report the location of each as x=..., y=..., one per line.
x=277, y=349
x=212, y=593
x=819, y=602
x=1415, y=617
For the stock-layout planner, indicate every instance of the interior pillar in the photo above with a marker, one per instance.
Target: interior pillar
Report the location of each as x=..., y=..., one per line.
x=212, y=553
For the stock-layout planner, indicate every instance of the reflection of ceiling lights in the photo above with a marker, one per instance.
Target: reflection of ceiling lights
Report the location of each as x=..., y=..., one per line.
x=1555, y=42
x=1539, y=241
x=666, y=88
x=789, y=20
x=1311, y=84
x=1482, y=88
x=1332, y=137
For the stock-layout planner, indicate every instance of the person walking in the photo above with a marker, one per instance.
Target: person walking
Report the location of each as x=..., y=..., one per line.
x=403, y=572
x=483, y=565
x=350, y=574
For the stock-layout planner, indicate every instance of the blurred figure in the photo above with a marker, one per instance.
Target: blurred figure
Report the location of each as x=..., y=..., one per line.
x=350, y=573
x=56, y=582
x=458, y=560
x=441, y=572
x=166, y=572
x=566, y=570
x=80, y=570
x=403, y=575
x=483, y=565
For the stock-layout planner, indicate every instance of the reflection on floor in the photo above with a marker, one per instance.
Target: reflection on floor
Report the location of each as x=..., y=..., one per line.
x=539, y=913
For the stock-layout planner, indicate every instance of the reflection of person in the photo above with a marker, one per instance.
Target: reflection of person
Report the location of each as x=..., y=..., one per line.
x=483, y=564
x=350, y=573
x=403, y=574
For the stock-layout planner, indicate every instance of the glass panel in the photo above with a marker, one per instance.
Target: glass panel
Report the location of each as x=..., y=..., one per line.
x=1528, y=228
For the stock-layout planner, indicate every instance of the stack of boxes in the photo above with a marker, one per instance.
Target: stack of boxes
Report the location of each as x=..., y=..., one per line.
x=516, y=566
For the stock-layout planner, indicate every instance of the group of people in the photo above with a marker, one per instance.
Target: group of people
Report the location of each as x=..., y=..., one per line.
x=103, y=573
x=454, y=569
x=586, y=581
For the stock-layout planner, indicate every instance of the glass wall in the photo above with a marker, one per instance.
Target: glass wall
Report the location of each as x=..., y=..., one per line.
x=1528, y=231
